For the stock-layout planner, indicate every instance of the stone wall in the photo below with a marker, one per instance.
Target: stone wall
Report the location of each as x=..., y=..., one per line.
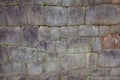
x=59, y=39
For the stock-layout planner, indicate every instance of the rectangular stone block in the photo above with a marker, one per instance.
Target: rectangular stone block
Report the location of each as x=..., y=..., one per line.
x=15, y=69
x=3, y=53
x=115, y=29
x=72, y=61
x=35, y=15
x=103, y=30
x=52, y=57
x=75, y=16
x=103, y=14
x=73, y=31
x=16, y=15
x=35, y=68
x=3, y=17
x=30, y=35
x=64, y=32
x=55, y=16
x=23, y=54
x=10, y=35
x=115, y=71
x=88, y=30
x=109, y=58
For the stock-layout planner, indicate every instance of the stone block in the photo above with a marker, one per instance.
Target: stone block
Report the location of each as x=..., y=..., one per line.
x=2, y=78
x=111, y=41
x=115, y=29
x=30, y=36
x=55, y=16
x=35, y=68
x=96, y=44
x=110, y=78
x=16, y=78
x=54, y=33
x=23, y=54
x=88, y=30
x=3, y=53
x=103, y=14
x=8, y=2
x=52, y=57
x=2, y=70
x=94, y=78
x=71, y=77
x=103, y=30
x=73, y=31
x=16, y=15
x=35, y=15
x=75, y=15
x=115, y=1
x=64, y=32
x=115, y=71
x=24, y=2
x=72, y=61
x=109, y=58
x=10, y=35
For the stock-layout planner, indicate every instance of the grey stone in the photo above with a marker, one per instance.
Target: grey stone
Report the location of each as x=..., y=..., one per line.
x=16, y=78
x=71, y=77
x=52, y=57
x=73, y=31
x=41, y=56
x=72, y=61
x=22, y=2
x=54, y=33
x=3, y=53
x=46, y=46
x=111, y=78
x=22, y=54
x=64, y=32
x=43, y=33
x=15, y=69
x=35, y=15
x=96, y=44
x=88, y=30
x=115, y=29
x=109, y=58
x=30, y=35
x=94, y=78
x=55, y=16
x=103, y=14
x=103, y=30
x=16, y=15
x=102, y=1
x=115, y=71
x=10, y=35
x=2, y=78
x=75, y=16
x=2, y=70
x=35, y=68
x=8, y=2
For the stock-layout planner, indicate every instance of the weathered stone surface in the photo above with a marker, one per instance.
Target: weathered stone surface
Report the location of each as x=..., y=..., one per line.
x=71, y=77
x=91, y=60
x=15, y=69
x=111, y=78
x=16, y=15
x=55, y=16
x=73, y=31
x=35, y=68
x=3, y=53
x=75, y=16
x=2, y=71
x=104, y=14
x=103, y=30
x=72, y=61
x=94, y=78
x=46, y=46
x=52, y=57
x=115, y=71
x=61, y=46
x=54, y=33
x=111, y=41
x=88, y=30
x=43, y=33
x=51, y=66
x=115, y=29
x=2, y=78
x=10, y=35
x=21, y=2
x=102, y=1
x=96, y=44
x=64, y=32
x=3, y=17
x=22, y=54
x=30, y=36
x=41, y=56
x=49, y=2
x=109, y=58
x=78, y=45
x=8, y=2
x=35, y=15
x=115, y=1
x=16, y=78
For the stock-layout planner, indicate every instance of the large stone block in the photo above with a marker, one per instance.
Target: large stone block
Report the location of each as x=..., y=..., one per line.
x=16, y=15
x=73, y=31
x=64, y=32
x=109, y=58
x=55, y=16
x=115, y=29
x=103, y=30
x=35, y=15
x=22, y=54
x=103, y=14
x=15, y=69
x=3, y=53
x=75, y=15
x=115, y=71
x=111, y=41
x=10, y=35
x=72, y=61
x=88, y=30
x=30, y=35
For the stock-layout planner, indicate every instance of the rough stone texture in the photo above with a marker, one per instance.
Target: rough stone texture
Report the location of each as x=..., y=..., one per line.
x=10, y=35
x=109, y=58
x=115, y=71
x=111, y=41
x=3, y=53
x=110, y=78
x=55, y=16
x=104, y=14
x=64, y=32
x=115, y=29
x=75, y=16
x=103, y=30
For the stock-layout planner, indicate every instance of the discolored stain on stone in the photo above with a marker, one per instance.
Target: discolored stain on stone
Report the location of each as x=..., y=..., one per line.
x=115, y=29
x=30, y=36
x=111, y=41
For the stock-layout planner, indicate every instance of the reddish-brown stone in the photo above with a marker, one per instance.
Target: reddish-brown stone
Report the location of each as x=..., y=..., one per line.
x=111, y=41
